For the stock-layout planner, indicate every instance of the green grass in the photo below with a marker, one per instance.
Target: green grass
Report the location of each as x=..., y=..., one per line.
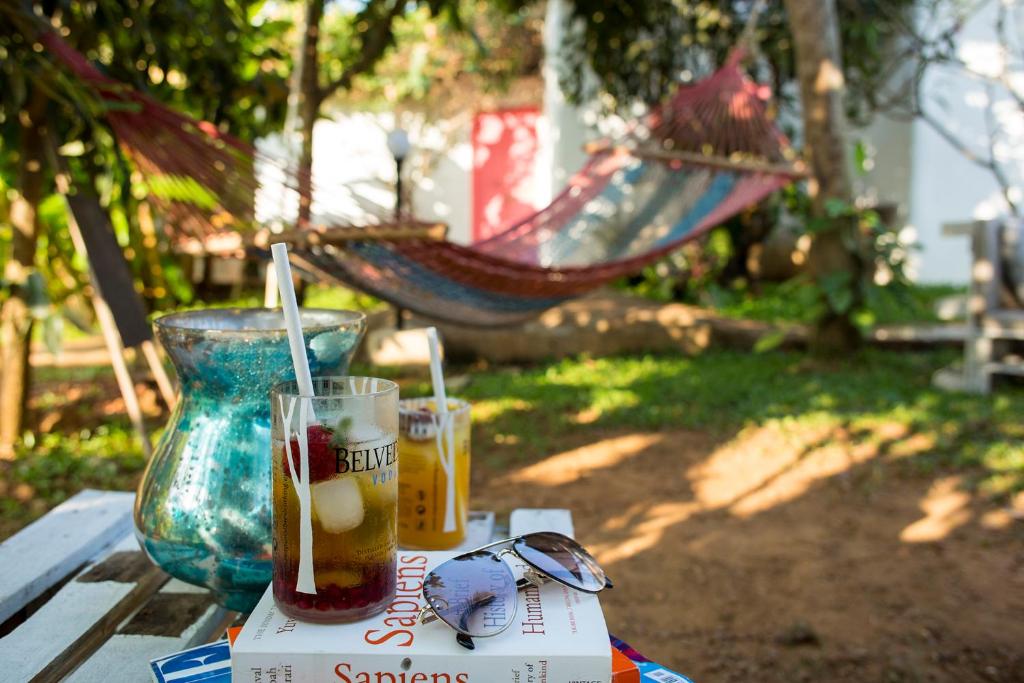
x=52, y=467
x=317, y=296
x=724, y=392
x=526, y=412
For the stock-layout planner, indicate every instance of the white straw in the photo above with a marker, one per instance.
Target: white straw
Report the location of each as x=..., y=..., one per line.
x=436, y=377
x=291, y=318
x=445, y=427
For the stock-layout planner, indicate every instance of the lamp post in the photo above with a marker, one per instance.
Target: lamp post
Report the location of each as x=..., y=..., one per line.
x=398, y=145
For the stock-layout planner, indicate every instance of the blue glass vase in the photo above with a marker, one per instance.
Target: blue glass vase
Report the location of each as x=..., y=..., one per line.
x=203, y=509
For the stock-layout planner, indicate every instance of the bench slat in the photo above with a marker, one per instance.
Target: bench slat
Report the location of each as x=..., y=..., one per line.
x=114, y=616
x=528, y=520
x=126, y=656
x=45, y=552
x=80, y=617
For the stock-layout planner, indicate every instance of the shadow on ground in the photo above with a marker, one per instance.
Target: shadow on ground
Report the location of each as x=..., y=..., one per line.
x=781, y=554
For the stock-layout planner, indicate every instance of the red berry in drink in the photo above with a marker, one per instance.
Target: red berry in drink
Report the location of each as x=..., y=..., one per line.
x=322, y=458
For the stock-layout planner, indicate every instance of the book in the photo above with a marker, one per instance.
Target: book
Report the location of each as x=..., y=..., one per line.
x=209, y=663
x=558, y=636
x=195, y=665
x=623, y=668
x=649, y=672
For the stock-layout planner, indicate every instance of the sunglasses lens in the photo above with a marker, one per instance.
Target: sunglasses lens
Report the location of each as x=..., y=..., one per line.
x=562, y=559
x=474, y=593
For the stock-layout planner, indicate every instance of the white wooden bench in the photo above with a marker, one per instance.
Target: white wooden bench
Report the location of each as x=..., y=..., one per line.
x=79, y=601
x=994, y=323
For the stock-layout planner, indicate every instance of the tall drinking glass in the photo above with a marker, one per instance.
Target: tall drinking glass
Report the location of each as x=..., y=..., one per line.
x=335, y=482
x=433, y=489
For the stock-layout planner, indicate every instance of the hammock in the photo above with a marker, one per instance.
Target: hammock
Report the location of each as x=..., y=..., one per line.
x=706, y=154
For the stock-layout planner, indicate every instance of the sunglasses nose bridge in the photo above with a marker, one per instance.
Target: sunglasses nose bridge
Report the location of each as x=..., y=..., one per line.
x=535, y=577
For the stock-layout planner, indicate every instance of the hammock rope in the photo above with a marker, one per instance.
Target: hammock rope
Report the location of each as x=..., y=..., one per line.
x=707, y=153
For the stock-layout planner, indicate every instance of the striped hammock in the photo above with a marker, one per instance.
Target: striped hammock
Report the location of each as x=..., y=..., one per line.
x=706, y=154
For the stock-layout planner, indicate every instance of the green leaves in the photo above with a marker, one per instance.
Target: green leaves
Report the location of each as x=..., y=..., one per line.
x=770, y=341
x=43, y=311
x=838, y=289
x=181, y=189
x=838, y=208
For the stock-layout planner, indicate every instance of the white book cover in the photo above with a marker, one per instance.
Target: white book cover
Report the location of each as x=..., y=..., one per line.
x=558, y=636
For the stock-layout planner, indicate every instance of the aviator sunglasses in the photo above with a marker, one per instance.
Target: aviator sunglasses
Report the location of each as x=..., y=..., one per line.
x=476, y=593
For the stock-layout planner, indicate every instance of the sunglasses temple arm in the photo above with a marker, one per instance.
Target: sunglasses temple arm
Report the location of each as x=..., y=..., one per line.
x=427, y=614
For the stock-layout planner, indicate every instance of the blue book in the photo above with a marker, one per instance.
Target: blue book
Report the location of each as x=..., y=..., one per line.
x=656, y=673
x=204, y=664
x=650, y=672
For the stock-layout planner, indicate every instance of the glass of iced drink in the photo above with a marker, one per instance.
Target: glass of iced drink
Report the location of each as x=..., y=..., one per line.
x=335, y=497
x=434, y=483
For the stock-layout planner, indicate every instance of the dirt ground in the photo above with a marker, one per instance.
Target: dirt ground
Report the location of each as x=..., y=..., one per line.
x=769, y=556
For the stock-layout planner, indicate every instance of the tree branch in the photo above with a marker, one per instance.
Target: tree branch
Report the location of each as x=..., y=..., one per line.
x=989, y=164
x=992, y=130
x=375, y=41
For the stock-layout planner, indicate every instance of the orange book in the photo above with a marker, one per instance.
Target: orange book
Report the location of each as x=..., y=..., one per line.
x=623, y=668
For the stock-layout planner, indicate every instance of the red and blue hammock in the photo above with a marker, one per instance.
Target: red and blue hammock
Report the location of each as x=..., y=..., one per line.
x=706, y=154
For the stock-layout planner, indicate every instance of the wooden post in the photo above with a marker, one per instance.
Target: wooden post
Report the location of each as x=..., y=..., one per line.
x=982, y=297
x=270, y=287
x=113, y=342
x=814, y=27
x=107, y=324
x=163, y=382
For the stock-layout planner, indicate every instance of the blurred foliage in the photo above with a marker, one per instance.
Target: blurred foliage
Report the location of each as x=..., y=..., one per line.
x=316, y=296
x=697, y=274
x=638, y=51
x=441, y=63
x=81, y=438
x=106, y=457
x=790, y=301
x=232, y=73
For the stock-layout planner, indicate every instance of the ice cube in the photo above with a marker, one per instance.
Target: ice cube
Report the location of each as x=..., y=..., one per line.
x=338, y=504
x=366, y=435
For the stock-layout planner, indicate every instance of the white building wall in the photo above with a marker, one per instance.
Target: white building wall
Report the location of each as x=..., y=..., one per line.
x=441, y=174
x=564, y=128
x=933, y=181
x=354, y=173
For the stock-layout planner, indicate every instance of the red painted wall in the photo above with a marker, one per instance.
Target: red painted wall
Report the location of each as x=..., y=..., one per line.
x=504, y=149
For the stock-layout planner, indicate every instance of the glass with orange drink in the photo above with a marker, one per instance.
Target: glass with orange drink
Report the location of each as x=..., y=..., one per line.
x=433, y=482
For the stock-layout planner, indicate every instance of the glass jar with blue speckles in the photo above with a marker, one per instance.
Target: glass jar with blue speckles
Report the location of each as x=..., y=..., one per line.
x=203, y=509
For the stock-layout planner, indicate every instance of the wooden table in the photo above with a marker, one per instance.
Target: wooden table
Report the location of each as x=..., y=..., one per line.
x=79, y=601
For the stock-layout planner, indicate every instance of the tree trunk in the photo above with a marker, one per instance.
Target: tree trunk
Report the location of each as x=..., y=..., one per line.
x=307, y=101
x=15, y=316
x=833, y=259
